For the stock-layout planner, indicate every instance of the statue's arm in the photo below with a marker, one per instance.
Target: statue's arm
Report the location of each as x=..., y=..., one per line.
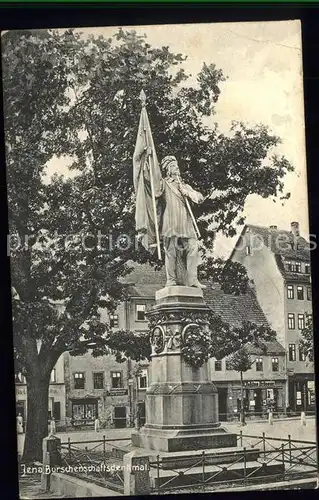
x=189, y=192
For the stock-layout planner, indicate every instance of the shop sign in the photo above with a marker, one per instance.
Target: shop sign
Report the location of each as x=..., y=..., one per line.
x=117, y=392
x=259, y=383
x=54, y=390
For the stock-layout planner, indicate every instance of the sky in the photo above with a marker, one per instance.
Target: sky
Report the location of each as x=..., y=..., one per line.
x=263, y=63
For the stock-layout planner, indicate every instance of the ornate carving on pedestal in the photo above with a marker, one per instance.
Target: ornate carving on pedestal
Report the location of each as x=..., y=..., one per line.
x=173, y=339
x=195, y=347
x=183, y=317
x=157, y=339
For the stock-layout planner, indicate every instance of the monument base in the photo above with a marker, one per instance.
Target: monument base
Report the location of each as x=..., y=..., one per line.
x=173, y=440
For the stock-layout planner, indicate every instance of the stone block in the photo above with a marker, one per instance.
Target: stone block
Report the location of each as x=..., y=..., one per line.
x=174, y=440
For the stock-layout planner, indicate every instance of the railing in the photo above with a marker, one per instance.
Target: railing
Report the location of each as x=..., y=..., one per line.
x=262, y=415
x=99, y=461
x=259, y=459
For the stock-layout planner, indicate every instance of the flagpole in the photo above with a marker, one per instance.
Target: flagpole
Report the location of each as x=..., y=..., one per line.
x=159, y=254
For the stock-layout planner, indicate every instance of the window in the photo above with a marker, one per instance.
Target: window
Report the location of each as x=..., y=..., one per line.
x=140, y=312
x=79, y=380
x=116, y=378
x=307, y=268
x=98, y=380
x=248, y=250
x=218, y=366
x=274, y=364
x=298, y=267
x=300, y=292
x=302, y=355
x=292, y=352
x=142, y=380
x=290, y=292
x=53, y=376
x=259, y=364
x=291, y=266
x=228, y=364
x=291, y=321
x=309, y=297
x=301, y=321
x=114, y=320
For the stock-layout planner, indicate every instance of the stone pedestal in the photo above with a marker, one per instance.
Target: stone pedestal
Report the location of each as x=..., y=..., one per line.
x=181, y=401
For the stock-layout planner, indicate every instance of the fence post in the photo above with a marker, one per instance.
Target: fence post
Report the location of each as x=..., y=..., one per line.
x=203, y=466
x=283, y=458
x=270, y=418
x=158, y=468
x=51, y=454
x=303, y=418
x=289, y=442
x=104, y=454
x=245, y=466
x=264, y=446
x=241, y=438
x=136, y=474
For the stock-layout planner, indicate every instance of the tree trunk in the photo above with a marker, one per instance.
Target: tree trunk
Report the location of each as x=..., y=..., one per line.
x=37, y=416
x=242, y=408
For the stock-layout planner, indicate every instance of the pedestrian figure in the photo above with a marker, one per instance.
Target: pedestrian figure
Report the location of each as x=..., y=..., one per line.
x=97, y=424
x=19, y=424
x=52, y=427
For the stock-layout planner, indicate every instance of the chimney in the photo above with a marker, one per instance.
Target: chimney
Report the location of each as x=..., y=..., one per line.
x=272, y=227
x=295, y=229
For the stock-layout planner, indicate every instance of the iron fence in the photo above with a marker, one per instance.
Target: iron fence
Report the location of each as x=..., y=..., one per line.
x=258, y=460
x=263, y=415
x=99, y=461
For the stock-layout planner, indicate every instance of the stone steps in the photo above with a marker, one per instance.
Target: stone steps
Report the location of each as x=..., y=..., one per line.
x=212, y=457
x=213, y=474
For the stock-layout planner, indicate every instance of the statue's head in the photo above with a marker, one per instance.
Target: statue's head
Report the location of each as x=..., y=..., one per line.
x=170, y=166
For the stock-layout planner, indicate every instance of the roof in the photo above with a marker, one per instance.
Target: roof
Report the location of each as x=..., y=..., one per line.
x=282, y=242
x=284, y=245
x=144, y=281
x=272, y=348
x=234, y=308
x=289, y=275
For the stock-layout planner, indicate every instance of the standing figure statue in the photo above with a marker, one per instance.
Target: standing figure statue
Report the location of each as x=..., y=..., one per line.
x=163, y=210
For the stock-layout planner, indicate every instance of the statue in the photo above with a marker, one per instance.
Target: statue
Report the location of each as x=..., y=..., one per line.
x=163, y=209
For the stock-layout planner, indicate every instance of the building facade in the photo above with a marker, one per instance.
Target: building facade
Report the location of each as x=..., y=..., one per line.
x=278, y=265
x=57, y=394
x=265, y=383
x=102, y=387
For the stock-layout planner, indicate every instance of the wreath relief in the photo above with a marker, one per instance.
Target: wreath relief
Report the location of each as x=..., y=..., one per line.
x=195, y=345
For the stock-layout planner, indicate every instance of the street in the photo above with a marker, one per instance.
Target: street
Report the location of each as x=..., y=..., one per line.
x=280, y=429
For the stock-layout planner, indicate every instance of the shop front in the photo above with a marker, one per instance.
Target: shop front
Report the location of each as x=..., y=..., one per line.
x=259, y=397
x=84, y=411
x=301, y=389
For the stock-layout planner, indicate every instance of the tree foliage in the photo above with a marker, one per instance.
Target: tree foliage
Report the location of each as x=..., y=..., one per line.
x=68, y=95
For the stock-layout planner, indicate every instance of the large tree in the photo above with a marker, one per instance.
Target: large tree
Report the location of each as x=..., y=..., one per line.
x=66, y=93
